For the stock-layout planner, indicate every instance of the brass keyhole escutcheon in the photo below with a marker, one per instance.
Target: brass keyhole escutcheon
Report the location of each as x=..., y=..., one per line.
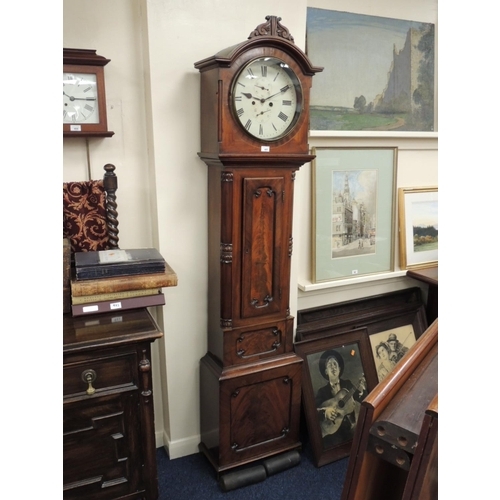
x=89, y=377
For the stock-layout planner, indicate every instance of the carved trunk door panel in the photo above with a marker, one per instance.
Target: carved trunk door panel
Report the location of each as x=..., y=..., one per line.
x=262, y=246
x=260, y=413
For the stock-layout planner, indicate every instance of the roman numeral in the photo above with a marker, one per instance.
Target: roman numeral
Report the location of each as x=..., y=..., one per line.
x=239, y=83
x=285, y=88
x=237, y=98
x=287, y=103
x=250, y=72
x=263, y=70
x=88, y=107
x=248, y=124
x=88, y=88
x=283, y=116
x=240, y=111
x=261, y=131
x=274, y=127
x=277, y=74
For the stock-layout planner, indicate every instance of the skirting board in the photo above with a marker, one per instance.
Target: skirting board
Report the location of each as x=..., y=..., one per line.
x=180, y=448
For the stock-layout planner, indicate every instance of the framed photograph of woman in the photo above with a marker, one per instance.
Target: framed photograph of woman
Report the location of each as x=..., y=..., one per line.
x=338, y=374
x=390, y=346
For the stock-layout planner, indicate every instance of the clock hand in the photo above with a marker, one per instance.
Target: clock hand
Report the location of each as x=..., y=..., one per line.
x=71, y=98
x=284, y=89
x=250, y=96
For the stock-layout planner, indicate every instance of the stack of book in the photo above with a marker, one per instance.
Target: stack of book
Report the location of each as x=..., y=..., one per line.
x=114, y=280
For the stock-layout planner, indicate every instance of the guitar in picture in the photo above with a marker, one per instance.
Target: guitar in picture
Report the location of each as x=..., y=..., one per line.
x=342, y=403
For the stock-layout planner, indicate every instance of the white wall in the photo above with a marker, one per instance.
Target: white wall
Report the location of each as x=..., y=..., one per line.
x=152, y=91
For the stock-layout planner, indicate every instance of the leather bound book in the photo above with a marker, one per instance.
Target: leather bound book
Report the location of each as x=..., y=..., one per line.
x=166, y=278
x=116, y=262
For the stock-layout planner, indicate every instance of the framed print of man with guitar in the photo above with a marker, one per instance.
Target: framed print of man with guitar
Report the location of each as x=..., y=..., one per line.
x=338, y=373
x=338, y=401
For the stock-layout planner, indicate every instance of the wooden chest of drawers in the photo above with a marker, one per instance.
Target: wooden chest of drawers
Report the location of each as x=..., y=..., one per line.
x=108, y=415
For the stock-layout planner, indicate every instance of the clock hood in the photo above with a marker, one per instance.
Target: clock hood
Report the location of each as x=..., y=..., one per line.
x=271, y=34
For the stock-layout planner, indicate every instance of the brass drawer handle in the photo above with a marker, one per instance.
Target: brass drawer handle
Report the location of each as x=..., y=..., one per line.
x=89, y=376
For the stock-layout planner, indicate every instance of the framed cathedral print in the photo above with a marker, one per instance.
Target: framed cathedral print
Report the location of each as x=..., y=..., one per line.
x=354, y=191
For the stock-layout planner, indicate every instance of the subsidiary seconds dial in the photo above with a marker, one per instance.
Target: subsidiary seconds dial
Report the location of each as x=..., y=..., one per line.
x=267, y=98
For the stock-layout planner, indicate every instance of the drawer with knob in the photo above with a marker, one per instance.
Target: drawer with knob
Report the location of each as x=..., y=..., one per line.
x=113, y=370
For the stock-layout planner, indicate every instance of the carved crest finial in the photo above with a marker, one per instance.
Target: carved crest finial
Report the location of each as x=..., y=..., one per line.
x=272, y=27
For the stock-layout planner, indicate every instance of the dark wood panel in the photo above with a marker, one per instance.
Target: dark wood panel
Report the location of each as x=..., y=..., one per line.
x=262, y=246
x=109, y=441
x=100, y=454
x=260, y=410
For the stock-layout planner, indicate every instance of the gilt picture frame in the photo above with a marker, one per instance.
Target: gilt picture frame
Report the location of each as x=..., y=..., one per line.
x=353, y=212
x=331, y=419
x=418, y=227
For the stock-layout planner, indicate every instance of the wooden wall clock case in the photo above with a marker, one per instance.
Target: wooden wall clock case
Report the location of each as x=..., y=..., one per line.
x=254, y=137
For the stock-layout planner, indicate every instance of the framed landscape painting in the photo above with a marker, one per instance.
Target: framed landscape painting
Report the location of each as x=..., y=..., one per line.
x=418, y=227
x=353, y=212
x=378, y=72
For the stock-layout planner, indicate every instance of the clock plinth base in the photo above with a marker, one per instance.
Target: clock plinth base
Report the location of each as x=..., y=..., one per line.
x=249, y=412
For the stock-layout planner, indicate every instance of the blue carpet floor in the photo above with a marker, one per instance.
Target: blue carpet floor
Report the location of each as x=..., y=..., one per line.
x=193, y=477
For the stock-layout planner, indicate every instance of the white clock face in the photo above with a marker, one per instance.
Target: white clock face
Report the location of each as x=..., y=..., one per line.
x=267, y=98
x=80, y=103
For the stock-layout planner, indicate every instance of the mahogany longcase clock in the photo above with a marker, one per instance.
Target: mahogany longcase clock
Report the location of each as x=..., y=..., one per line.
x=254, y=137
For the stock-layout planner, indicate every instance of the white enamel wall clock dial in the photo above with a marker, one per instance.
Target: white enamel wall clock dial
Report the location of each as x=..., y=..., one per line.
x=80, y=100
x=84, y=96
x=267, y=98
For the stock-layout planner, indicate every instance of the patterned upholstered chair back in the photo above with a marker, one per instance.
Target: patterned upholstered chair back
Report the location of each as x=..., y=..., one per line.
x=89, y=212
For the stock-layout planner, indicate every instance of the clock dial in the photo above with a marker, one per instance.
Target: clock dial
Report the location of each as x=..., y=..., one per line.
x=80, y=104
x=267, y=98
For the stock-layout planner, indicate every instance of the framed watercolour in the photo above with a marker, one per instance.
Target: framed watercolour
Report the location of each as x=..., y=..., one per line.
x=338, y=374
x=418, y=227
x=353, y=212
x=378, y=72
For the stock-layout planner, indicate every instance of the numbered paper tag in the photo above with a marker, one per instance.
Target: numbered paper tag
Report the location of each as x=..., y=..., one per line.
x=89, y=309
x=75, y=128
x=265, y=149
x=110, y=256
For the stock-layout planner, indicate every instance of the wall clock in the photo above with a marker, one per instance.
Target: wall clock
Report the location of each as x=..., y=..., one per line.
x=254, y=137
x=84, y=96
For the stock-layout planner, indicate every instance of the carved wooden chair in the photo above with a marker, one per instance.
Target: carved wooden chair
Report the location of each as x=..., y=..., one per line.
x=89, y=213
